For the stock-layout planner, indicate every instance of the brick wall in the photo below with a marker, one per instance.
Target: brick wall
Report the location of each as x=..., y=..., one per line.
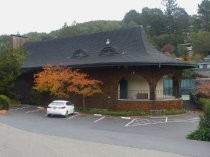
x=110, y=77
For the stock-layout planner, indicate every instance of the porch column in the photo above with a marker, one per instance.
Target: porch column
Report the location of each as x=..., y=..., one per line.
x=177, y=87
x=152, y=86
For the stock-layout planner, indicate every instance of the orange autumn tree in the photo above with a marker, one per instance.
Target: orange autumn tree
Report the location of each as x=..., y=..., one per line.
x=61, y=81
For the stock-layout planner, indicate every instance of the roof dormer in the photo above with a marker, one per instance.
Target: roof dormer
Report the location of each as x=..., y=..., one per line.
x=79, y=53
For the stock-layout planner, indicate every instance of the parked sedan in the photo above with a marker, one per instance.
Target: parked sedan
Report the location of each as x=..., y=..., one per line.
x=60, y=107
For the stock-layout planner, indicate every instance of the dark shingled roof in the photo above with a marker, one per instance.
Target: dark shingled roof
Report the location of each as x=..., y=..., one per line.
x=120, y=47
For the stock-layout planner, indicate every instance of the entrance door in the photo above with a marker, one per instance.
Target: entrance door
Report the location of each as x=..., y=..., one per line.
x=123, y=89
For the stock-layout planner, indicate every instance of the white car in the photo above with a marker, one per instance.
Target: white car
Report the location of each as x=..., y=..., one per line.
x=60, y=107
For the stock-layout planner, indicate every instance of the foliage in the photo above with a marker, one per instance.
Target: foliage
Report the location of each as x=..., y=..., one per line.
x=62, y=81
x=153, y=21
x=171, y=6
x=127, y=113
x=202, y=102
x=4, y=42
x=167, y=48
x=188, y=74
x=200, y=42
x=112, y=112
x=202, y=87
x=4, y=102
x=35, y=36
x=202, y=134
x=132, y=17
x=204, y=14
x=203, y=131
x=197, y=57
x=86, y=27
x=10, y=64
x=163, y=39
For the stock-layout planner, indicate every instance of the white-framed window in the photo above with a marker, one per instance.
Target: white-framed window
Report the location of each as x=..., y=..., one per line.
x=208, y=66
x=200, y=66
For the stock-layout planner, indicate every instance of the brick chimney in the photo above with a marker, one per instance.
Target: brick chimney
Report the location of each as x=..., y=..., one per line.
x=18, y=41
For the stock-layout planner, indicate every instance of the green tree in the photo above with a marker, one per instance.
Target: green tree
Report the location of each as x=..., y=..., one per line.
x=4, y=42
x=163, y=39
x=181, y=20
x=200, y=42
x=204, y=14
x=35, y=36
x=10, y=64
x=153, y=21
x=132, y=17
x=86, y=27
x=171, y=6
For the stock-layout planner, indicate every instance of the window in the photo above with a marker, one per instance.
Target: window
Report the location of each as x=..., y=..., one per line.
x=79, y=54
x=200, y=66
x=208, y=66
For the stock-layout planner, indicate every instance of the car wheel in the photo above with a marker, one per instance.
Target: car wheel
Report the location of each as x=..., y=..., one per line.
x=48, y=115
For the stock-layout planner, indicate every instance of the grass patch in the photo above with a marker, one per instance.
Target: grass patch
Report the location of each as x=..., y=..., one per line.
x=175, y=111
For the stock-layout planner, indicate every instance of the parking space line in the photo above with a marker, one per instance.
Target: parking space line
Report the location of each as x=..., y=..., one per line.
x=32, y=111
x=20, y=108
x=166, y=119
x=99, y=119
x=71, y=117
x=130, y=122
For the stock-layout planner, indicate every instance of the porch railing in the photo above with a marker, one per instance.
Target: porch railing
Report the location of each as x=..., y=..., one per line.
x=145, y=94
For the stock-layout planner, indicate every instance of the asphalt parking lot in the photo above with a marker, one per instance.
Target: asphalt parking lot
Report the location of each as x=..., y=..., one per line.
x=156, y=133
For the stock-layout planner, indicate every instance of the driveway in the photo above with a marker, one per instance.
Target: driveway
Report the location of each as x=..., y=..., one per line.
x=165, y=134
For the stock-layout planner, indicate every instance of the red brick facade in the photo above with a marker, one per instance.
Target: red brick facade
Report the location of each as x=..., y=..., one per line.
x=111, y=76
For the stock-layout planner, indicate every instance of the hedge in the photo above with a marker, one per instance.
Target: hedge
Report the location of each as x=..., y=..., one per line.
x=4, y=102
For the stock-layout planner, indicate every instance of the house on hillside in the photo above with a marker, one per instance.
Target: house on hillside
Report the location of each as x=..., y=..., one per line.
x=203, y=68
x=131, y=69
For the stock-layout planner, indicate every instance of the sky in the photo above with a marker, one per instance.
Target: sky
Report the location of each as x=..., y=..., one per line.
x=23, y=16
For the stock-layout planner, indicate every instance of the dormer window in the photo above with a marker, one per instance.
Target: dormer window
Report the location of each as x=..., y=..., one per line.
x=79, y=54
x=107, y=51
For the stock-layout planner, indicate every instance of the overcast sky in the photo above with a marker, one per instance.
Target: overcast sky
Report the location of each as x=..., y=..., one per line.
x=25, y=16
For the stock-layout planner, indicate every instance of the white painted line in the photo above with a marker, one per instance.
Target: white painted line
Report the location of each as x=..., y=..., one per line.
x=126, y=117
x=130, y=122
x=20, y=108
x=98, y=115
x=196, y=118
x=32, y=111
x=71, y=117
x=166, y=119
x=99, y=119
x=148, y=124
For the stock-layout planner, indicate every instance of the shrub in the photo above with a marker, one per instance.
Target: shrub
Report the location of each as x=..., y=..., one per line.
x=202, y=102
x=202, y=134
x=4, y=102
x=112, y=112
x=203, y=131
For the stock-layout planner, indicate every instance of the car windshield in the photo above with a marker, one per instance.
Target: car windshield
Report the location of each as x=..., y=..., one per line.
x=57, y=103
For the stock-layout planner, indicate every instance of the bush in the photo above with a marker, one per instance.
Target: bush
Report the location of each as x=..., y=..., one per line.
x=203, y=131
x=202, y=102
x=4, y=102
x=202, y=134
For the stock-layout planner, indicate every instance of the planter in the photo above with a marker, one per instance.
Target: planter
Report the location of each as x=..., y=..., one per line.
x=2, y=112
